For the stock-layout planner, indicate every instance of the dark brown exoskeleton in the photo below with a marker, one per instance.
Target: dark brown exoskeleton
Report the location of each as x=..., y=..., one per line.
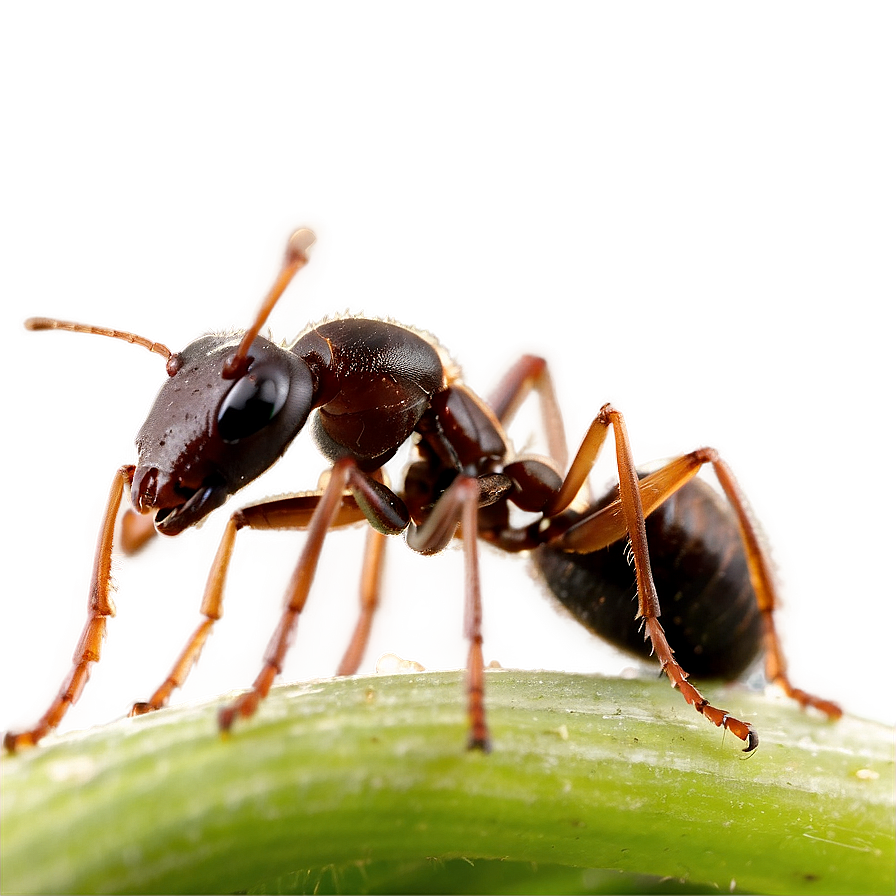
x=232, y=405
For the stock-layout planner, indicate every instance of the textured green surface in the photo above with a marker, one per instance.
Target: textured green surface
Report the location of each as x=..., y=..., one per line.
x=364, y=783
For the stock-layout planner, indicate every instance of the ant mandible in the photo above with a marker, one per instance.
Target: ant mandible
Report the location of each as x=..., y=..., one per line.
x=232, y=405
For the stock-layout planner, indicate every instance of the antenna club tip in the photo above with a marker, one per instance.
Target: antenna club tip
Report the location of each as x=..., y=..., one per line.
x=38, y=323
x=299, y=243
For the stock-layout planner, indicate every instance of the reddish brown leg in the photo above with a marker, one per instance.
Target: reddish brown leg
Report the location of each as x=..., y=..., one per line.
x=211, y=609
x=531, y=372
x=608, y=525
x=371, y=575
x=460, y=504
x=611, y=524
x=764, y=586
x=326, y=513
x=137, y=529
x=279, y=514
x=479, y=734
x=603, y=527
x=99, y=607
x=633, y=516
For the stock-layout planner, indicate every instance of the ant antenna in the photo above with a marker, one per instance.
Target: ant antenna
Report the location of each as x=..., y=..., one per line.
x=50, y=323
x=295, y=259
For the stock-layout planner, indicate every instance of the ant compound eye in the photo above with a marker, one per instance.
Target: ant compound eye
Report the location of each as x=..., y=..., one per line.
x=253, y=402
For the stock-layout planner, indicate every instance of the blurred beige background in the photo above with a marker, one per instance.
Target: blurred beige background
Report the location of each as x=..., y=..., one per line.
x=688, y=211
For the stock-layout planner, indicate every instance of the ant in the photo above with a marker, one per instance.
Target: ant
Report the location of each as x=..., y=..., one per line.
x=232, y=405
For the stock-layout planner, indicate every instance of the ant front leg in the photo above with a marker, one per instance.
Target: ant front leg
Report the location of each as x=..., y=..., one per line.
x=460, y=505
x=602, y=528
x=99, y=608
x=627, y=519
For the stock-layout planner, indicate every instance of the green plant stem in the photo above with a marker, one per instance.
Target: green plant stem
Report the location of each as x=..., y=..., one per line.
x=585, y=773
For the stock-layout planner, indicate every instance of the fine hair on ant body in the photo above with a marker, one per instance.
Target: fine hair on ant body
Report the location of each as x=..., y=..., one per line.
x=232, y=405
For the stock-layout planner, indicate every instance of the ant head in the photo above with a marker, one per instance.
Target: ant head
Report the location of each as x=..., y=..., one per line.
x=229, y=409
x=207, y=436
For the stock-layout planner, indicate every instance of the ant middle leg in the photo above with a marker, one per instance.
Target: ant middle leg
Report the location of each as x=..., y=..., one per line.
x=371, y=577
x=460, y=504
x=528, y=374
x=382, y=509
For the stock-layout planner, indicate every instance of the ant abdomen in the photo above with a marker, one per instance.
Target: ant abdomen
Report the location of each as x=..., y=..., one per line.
x=709, y=609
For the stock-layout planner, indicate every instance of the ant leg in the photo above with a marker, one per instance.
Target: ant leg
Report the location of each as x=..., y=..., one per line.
x=136, y=530
x=764, y=586
x=632, y=516
x=383, y=509
x=608, y=525
x=99, y=607
x=531, y=372
x=292, y=513
x=211, y=609
x=460, y=504
x=371, y=574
